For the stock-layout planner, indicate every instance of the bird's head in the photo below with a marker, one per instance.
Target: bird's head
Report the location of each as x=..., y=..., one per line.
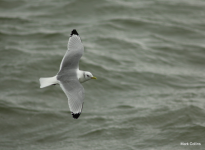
x=88, y=76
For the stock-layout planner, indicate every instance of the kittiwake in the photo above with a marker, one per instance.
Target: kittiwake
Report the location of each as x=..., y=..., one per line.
x=69, y=76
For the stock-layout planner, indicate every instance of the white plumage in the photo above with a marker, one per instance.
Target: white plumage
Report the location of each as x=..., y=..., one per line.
x=70, y=77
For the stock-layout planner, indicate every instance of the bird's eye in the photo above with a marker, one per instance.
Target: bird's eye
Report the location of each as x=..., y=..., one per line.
x=87, y=75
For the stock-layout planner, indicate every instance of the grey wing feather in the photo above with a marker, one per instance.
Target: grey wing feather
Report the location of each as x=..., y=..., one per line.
x=75, y=94
x=73, y=54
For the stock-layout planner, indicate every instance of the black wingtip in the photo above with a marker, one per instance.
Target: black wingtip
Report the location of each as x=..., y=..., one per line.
x=75, y=116
x=74, y=32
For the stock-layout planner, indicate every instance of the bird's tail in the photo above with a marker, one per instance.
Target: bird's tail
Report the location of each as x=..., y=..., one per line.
x=44, y=82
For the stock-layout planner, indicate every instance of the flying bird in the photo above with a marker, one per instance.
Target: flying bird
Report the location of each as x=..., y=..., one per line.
x=69, y=76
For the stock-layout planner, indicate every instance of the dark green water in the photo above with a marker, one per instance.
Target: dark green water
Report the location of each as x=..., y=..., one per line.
x=148, y=56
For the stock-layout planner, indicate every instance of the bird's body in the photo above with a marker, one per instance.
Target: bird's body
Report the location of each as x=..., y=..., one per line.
x=69, y=76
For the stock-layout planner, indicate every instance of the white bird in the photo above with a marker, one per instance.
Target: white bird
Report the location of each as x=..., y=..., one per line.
x=69, y=76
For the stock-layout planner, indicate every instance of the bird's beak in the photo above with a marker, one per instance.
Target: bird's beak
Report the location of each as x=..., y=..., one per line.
x=93, y=78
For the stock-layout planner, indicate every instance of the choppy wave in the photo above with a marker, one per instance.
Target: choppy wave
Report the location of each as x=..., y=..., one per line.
x=148, y=58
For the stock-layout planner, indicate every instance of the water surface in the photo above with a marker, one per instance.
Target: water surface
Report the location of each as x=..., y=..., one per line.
x=148, y=57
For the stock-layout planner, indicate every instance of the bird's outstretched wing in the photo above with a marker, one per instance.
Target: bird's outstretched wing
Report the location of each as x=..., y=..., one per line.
x=75, y=94
x=73, y=54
